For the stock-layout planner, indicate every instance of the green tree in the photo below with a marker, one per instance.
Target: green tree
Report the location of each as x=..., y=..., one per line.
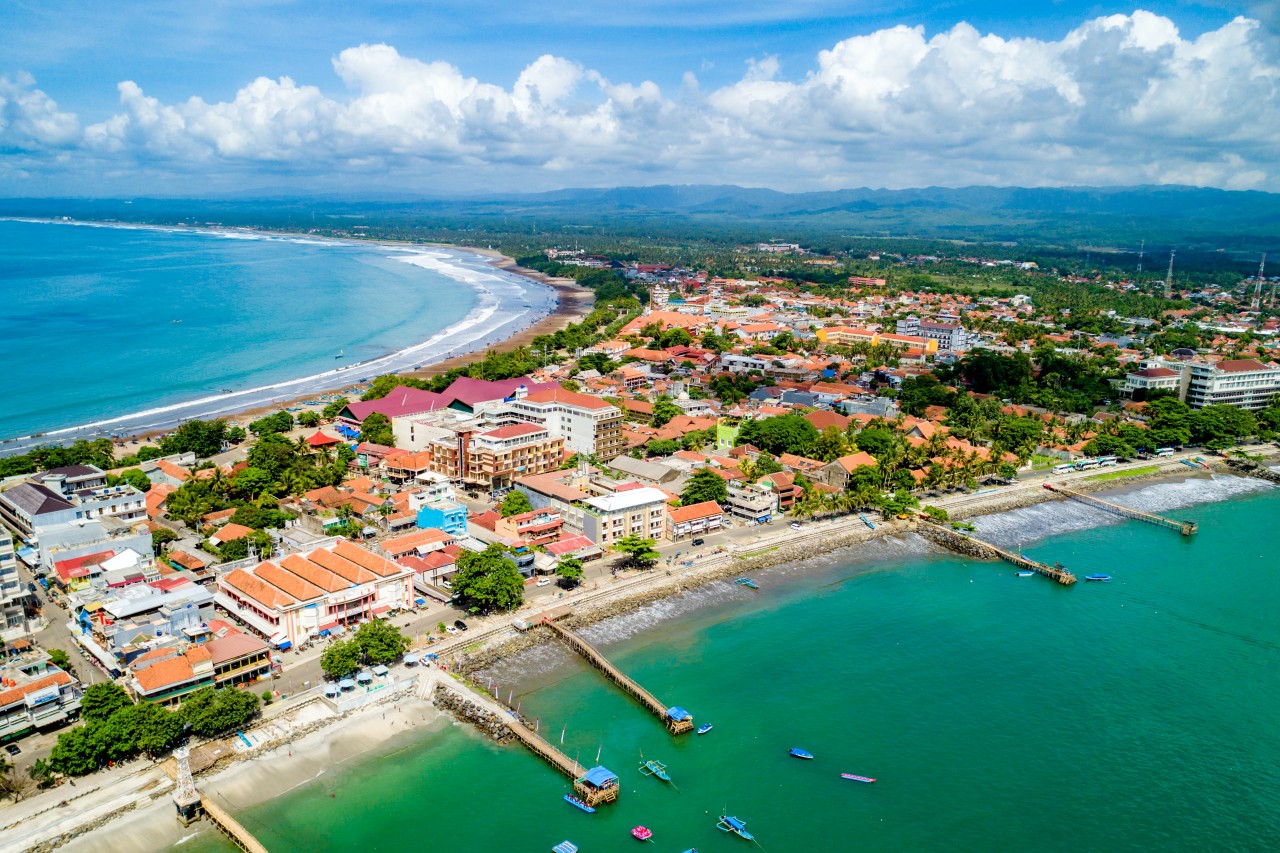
x=340, y=658
x=160, y=537
x=78, y=751
x=130, y=477
x=515, y=503
x=570, y=570
x=780, y=434
x=214, y=711
x=59, y=658
x=385, y=384
x=376, y=428
x=276, y=423
x=664, y=410
x=704, y=485
x=830, y=445
x=309, y=419
x=332, y=409
x=250, y=482
x=639, y=552
x=487, y=580
x=203, y=438
x=100, y=701
x=380, y=641
x=766, y=464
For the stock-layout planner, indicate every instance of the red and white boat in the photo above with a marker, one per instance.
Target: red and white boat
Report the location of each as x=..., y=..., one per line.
x=642, y=833
x=854, y=778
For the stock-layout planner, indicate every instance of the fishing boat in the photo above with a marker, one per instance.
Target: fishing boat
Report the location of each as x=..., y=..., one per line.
x=341, y=354
x=801, y=753
x=574, y=801
x=1102, y=578
x=655, y=768
x=729, y=823
x=1025, y=574
x=866, y=520
x=704, y=728
x=747, y=582
x=565, y=847
x=643, y=833
x=854, y=778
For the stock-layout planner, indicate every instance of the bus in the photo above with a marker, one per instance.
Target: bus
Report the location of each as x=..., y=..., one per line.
x=1086, y=464
x=1164, y=451
x=1063, y=469
x=1108, y=461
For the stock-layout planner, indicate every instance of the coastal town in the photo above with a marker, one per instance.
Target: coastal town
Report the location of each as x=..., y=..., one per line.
x=210, y=576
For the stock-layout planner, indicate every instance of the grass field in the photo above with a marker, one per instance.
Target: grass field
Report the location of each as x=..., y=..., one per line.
x=1120, y=475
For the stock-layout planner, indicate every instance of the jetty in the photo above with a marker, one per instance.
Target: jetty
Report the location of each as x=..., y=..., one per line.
x=1186, y=528
x=191, y=804
x=963, y=543
x=676, y=719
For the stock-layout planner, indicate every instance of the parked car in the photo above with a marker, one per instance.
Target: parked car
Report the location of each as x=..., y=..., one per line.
x=12, y=749
x=543, y=582
x=460, y=625
x=795, y=525
x=451, y=629
x=697, y=542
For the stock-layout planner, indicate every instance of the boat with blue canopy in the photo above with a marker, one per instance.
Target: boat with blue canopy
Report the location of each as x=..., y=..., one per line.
x=729, y=823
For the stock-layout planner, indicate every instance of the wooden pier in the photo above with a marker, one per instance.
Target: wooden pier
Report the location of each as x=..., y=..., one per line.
x=1186, y=528
x=231, y=827
x=588, y=793
x=963, y=543
x=618, y=677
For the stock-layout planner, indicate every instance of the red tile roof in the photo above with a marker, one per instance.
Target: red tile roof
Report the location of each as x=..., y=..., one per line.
x=706, y=509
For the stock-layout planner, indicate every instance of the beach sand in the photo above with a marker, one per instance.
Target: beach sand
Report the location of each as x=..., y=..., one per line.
x=384, y=727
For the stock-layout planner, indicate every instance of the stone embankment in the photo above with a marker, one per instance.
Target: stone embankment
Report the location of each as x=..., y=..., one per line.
x=466, y=711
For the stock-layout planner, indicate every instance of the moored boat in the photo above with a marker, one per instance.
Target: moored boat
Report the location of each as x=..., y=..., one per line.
x=747, y=582
x=704, y=728
x=1102, y=578
x=655, y=768
x=574, y=801
x=866, y=520
x=643, y=833
x=854, y=778
x=801, y=753
x=729, y=823
x=565, y=847
x=1025, y=574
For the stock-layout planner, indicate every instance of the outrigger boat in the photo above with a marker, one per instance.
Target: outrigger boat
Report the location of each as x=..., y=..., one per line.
x=704, y=728
x=854, y=778
x=747, y=582
x=866, y=520
x=655, y=768
x=565, y=847
x=574, y=801
x=643, y=833
x=729, y=823
x=801, y=753
x=1103, y=578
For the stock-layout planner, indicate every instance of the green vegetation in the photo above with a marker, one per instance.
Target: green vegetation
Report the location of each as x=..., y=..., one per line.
x=309, y=419
x=116, y=729
x=779, y=434
x=515, y=503
x=570, y=570
x=704, y=485
x=376, y=428
x=639, y=552
x=130, y=477
x=59, y=658
x=487, y=581
x=374, y=642
x=214, y=711
x=1122, y=475
x=279, y=422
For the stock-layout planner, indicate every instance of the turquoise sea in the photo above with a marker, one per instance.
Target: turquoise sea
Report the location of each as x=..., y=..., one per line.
x=998, y=713
x=114, y=329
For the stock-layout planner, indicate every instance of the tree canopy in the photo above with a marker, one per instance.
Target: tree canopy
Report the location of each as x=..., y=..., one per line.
x=639, y=551
x=515, y=503
x=779, y=434
x=487, y=580
x=704, y=485
x=213, y=711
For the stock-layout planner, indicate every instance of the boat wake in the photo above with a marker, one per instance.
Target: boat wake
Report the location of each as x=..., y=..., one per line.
x=1041, y=521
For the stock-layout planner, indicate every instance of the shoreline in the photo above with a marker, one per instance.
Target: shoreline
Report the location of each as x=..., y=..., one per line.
x=250, y=780
x=571, y=303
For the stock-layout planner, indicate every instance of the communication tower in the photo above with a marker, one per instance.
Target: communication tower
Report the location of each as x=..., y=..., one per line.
x=1255, y=304
x=1168, y=279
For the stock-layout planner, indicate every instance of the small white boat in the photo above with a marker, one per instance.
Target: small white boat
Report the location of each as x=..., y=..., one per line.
x=1025, y=574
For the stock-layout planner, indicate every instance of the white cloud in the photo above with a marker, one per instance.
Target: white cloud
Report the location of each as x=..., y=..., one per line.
x=1120, y=99
x=30, y=119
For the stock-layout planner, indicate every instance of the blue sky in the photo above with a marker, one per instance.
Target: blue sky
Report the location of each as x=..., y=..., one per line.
x=105, y=98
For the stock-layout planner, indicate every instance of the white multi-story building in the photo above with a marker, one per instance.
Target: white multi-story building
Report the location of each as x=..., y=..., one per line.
x=587, y=424
x=13, y=595
x=1241, y=382
x=639, y=512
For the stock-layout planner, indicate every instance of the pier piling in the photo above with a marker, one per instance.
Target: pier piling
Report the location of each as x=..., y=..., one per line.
x=962, y=543
x=1186, y=528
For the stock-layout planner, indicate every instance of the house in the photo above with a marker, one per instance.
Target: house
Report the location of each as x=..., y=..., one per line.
x=751, y=503
x=639, y=512
x=229, y=533
x=535, y=527
x=418, y=542
x=645, y=471
x=837, y=473
x=165, y=675
x=699, y=518
x=35, y=695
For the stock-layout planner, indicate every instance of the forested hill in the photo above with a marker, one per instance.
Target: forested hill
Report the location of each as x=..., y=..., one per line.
x=1114, y=217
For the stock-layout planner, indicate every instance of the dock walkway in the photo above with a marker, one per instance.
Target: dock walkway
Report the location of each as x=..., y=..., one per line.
x=963, y=543
x=1186, y=528
x=618, y=677
x=231, y=827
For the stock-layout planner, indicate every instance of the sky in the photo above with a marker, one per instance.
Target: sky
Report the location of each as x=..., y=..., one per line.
x=113, y=98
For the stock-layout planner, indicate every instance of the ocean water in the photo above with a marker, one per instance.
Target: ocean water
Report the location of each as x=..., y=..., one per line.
x=114, y=329
x=998, y=713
